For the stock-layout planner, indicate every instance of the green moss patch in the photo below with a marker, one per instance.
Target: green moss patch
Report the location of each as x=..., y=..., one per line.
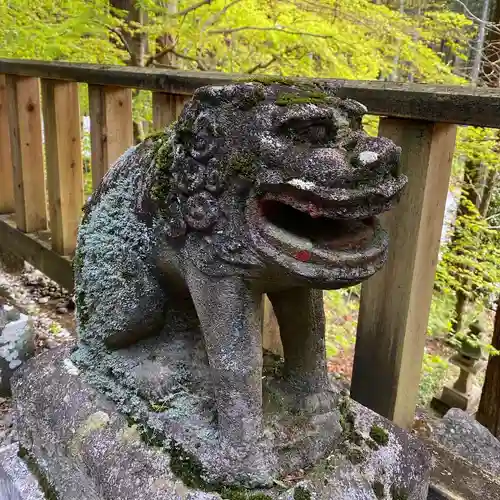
x=290, y=98
x=379, y=435
x=243, y=165
x=301, y=493
x=163, y=162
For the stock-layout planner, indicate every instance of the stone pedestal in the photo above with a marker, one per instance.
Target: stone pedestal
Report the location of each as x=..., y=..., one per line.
x=87, y=450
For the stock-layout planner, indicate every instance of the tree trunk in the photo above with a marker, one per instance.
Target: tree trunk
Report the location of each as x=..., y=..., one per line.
x=471, y=190
x=490, y=70
x=489, y=407
x=478, y=57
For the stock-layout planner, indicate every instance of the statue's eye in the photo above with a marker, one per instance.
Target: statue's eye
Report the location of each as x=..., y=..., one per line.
x=199, y=142
x=317, y=133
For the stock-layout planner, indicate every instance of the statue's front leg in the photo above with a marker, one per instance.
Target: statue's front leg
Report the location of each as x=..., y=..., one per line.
x=229, y=314
x=301, y=320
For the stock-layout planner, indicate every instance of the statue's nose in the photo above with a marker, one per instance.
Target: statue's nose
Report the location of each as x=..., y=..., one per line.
x=376, y=153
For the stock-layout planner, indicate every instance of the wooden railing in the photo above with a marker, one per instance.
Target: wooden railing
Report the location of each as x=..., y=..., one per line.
x=36, y=174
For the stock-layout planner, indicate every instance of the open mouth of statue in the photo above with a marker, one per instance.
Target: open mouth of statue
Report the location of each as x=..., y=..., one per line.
x=308, y=222
x=310, y=229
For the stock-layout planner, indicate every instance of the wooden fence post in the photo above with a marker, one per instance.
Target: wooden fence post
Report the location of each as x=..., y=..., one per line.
x=489, y=406
x=111, y=127
x=27, y=153
x=61, y=113
x=167, y=108
x=6, y=168
x=395, y=303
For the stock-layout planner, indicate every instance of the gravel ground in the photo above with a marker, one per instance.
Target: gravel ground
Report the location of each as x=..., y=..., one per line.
x=51, y=309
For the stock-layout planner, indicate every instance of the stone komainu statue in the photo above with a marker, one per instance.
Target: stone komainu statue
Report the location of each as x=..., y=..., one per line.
x=259, y=188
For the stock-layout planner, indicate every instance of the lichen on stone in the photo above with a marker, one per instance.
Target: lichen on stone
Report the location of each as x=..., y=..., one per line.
x=96, y=421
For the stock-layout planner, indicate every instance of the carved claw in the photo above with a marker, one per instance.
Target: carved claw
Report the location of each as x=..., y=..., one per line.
x=317, y=403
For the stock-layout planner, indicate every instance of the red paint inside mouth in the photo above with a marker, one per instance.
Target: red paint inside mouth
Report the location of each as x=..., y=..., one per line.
x=303, y=255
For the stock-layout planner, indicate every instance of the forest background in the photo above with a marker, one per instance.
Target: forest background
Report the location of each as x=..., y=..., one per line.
x=454, y=42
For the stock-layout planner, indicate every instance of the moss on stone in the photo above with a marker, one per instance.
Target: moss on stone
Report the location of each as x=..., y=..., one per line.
x=234, y=493
x=45, y=485
x=163, y=162
x=347, y=421
x=301, y=493
x=283, y=80
x=81, y=308
x=156, y=135
x=356, y=456
x=379, y=435
x=378, y=489
x=187, y=467
x=398, y=493
x=290, y=98
x=372, y=444
x=158, y=406
x=243, y=164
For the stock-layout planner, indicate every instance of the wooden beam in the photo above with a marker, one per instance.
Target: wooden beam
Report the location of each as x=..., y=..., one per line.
x=27, y=153
x=271, y=340
x=6, y=168
x=167, y=108
x=465, y=105
x=111, y=127
x=164, y=112
x=33, y=249
x=61, y=113
x=395, y=303
x=489, y=406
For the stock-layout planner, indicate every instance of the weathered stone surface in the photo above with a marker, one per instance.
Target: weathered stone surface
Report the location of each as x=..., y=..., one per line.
x=455, y=478
x=17, y=344
x=88, y=450
x=16, y=480
x=259, y=187
x=459, y=432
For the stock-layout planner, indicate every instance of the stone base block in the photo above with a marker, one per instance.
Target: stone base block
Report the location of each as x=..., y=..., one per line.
x=87, y=450
x=451, y=398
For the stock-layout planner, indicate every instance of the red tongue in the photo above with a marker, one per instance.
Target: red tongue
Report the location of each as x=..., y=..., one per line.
x=303, y=255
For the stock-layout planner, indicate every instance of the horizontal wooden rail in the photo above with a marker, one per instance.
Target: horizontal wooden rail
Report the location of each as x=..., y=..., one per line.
x=461, y=105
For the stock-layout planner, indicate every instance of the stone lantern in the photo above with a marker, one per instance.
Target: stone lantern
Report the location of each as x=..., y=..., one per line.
x=469, y=359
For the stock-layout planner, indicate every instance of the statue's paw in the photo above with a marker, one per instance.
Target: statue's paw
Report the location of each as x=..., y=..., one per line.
x=249, y=468
x=317, y=403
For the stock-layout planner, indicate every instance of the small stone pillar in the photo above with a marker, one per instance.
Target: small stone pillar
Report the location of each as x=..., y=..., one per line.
x=469, y=358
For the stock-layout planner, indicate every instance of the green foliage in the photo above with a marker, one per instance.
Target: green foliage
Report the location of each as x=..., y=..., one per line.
x=58, y=30
x=434, y=370
x=341, y=311
x=471, y=261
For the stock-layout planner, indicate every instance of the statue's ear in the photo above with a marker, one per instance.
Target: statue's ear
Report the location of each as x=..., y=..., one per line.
x=240, y=95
